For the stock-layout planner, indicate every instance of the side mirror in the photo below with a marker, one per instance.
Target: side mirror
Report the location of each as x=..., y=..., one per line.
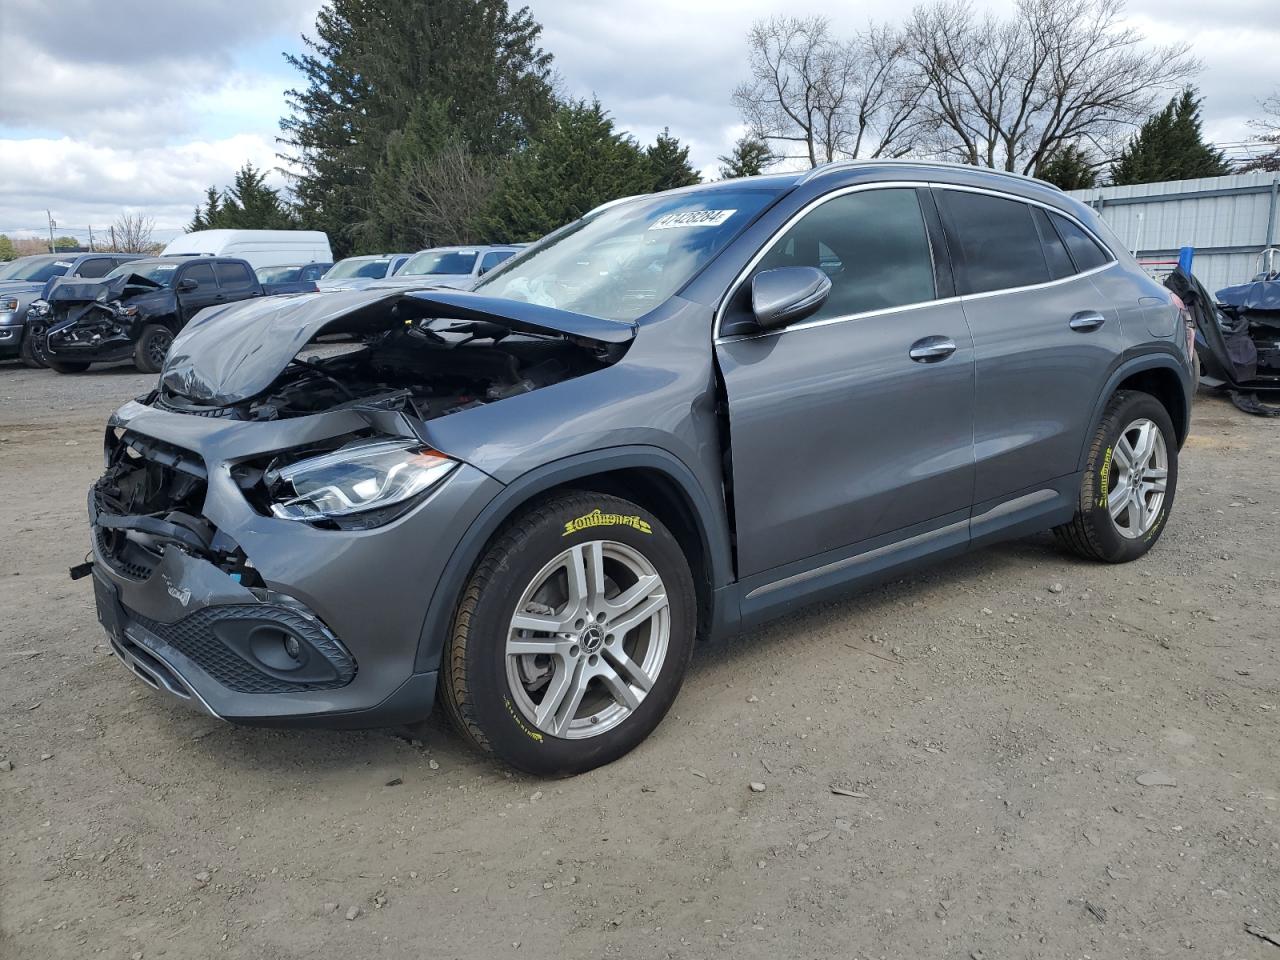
x=786, y=295
x=186, y=285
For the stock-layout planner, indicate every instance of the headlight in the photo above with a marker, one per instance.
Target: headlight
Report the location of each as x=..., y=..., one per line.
x=39, y=307
x=364, y=476
x=123, y=310
x=8, y=304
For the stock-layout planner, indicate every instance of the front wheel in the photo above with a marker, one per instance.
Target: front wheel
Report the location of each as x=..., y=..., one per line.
x=152, y=347
x=32, y=351
x=572, y=637
x=1129, y=482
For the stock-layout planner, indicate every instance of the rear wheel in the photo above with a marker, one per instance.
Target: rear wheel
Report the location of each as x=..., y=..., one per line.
x=66, y=366
x=1129, y=482
x=152, y=347
x=572, y=637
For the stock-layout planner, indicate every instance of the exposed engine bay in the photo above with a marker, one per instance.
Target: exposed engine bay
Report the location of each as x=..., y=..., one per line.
x=424, y=367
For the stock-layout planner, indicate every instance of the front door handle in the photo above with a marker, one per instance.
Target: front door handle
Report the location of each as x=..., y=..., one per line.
x=932, y=349
x=1087, y=320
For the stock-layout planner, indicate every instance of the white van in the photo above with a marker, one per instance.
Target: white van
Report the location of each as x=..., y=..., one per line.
x=262, y=248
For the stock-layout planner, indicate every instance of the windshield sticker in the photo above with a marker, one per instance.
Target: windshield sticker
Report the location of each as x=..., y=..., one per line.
x=693, y=218
x=62, y=263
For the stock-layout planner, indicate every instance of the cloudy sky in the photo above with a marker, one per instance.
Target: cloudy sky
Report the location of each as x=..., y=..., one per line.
x=141, y=105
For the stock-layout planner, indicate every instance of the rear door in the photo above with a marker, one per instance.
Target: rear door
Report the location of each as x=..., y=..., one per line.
x=840, y=440
x=235, y=281
x=1044, y=338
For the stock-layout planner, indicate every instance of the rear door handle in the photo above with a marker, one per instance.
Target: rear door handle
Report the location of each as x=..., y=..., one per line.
x=1087, y=320
x=932, y=349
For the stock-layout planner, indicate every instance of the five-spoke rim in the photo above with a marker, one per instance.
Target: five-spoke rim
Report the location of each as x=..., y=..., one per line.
x=588, y=639
x=1137, y=478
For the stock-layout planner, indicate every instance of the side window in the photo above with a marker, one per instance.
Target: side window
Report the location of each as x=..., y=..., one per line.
x=1055, y=251
x=871, y=243
x=1084, y=249
x=997, y=241
x=312, y=271
x=233, y=276
x=201, y=273
x=97, y=267
x=493, y=258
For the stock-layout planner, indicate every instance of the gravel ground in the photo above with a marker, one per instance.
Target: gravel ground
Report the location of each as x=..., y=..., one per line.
x=1013, y=755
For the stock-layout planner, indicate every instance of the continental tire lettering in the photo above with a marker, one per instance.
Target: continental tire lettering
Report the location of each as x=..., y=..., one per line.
x=1155, y=526
x=533, y=735
x=1104, y=478
x=597, y=519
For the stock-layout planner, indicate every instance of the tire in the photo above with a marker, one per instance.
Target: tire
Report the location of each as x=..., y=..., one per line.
x=492, y=694
x=152, y=347
x=32, y=350
x=67, y=366
x=1113, y=530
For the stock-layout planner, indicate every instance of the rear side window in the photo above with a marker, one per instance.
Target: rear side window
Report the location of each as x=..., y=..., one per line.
x=233, y=276
x=1084, y=249
x=997, y=241
x=872, y=244
x=1055, y=251
x=493, y=258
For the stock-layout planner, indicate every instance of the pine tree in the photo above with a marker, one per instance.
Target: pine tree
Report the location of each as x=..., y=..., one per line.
x=378, y=69
x=1069, y=168
x=248, y=204
x=749, y=158
x=205, y=218
x=576, y=162
x=669, y=163
x=7, y=251
x=1170, y=146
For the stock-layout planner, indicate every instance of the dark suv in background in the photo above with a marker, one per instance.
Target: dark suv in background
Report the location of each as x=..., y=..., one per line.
x=137, y=309
x=672, y=419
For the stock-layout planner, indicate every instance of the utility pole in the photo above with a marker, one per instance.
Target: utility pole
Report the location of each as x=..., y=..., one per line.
x=52, y=248
x=91, y=250
x=113, y=237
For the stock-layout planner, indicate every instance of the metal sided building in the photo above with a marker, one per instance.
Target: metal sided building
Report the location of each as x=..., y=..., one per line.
x=1228, y=220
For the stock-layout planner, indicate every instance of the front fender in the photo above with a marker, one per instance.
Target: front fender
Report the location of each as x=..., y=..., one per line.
x=709, y=515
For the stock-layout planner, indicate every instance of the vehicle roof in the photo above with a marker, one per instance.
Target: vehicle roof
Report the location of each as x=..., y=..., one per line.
x=375, y=256
x=226, y=234
x=472, y=246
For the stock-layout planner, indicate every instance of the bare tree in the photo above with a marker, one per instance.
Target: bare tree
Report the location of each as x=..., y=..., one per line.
x=823, y=98
x=131, y=233
x=446, y=192
x=1010, y=93
x=1268, y=127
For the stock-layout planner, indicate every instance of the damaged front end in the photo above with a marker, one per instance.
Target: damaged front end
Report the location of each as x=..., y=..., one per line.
x=232, y=490
x=96, y=321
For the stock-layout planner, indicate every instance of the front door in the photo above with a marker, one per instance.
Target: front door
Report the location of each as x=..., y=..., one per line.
x=191, y=302
x=854, y=426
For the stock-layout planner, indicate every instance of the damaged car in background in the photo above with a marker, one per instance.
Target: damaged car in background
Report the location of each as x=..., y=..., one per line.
x=672, y=419
x=1238, y=335
x=136, y=310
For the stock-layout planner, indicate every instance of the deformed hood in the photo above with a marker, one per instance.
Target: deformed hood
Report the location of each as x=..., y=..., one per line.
x=72, y=290
x=233, y=353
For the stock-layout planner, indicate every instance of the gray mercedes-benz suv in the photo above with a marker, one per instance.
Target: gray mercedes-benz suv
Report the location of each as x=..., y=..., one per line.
x=671, y=419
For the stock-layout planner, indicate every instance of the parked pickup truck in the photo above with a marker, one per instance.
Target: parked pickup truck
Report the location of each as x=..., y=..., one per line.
x=137, y=309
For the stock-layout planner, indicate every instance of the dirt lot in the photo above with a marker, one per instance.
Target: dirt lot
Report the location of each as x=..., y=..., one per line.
x=989, y=721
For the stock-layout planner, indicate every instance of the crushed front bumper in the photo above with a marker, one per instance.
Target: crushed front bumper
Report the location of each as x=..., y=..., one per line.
x=329, y=638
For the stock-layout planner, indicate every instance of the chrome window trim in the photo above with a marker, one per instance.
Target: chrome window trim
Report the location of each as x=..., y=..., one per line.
x=891, y=185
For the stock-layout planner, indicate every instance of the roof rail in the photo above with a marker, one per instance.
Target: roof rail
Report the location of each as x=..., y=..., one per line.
x=836, y=166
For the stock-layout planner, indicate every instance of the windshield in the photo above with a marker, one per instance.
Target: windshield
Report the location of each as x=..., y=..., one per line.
x=278, y=274
x=625, y=260
x=35, y=269
x=436, y=262
x=157, y=272
x=375, y=267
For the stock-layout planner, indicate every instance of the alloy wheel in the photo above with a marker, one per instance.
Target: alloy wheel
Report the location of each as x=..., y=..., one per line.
x=588, y=639
x=158, y=348
x=1137, y=478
